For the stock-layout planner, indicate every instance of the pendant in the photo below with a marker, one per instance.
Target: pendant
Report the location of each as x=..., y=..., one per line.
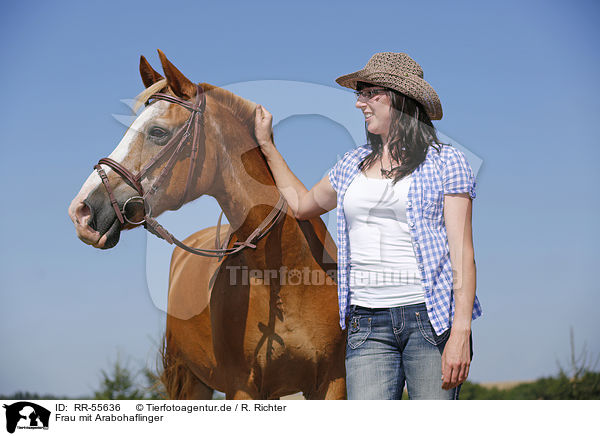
x=387, y=173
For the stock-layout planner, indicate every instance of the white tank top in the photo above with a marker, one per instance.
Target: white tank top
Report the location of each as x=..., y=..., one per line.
x=383, y=266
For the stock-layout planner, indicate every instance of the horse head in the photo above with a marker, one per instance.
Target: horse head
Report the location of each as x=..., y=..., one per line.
x=165, y=178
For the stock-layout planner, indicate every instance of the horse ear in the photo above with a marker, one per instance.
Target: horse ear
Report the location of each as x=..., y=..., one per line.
x=149, y=76
x=179, y=84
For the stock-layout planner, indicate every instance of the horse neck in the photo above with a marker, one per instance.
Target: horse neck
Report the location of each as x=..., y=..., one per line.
x=246, y=191
x=244, y=186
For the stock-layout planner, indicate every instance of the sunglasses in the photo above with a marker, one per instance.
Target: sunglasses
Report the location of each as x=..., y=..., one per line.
x=368, y=94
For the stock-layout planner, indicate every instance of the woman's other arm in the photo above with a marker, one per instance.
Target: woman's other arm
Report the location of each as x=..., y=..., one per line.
x=303, y=203
x=456, y=358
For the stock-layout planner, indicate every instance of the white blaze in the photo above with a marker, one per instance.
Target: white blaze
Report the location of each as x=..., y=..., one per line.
x=121, y=153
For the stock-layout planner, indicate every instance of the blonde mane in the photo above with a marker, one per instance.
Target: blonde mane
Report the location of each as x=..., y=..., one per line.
x=143, y=96
x=244, y=110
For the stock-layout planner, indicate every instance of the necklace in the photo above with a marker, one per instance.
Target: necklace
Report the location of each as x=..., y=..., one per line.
x=387, y=173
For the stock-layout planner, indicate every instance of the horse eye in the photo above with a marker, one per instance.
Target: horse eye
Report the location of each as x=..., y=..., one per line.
x=158, y=132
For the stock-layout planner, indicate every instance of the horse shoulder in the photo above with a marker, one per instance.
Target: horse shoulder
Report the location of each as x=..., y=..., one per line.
x=191, y=275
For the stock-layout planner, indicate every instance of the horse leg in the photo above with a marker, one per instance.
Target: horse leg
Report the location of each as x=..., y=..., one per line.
x=179, y=381
x=333, y=390
x=200, y=391
x=181, y=384
x=239, y=394
x=242, y=390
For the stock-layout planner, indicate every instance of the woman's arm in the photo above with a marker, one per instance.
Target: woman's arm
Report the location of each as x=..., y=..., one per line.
x=456, y=358
x=303, y=203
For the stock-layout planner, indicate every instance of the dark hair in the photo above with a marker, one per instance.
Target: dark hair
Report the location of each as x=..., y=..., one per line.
x=411, y=134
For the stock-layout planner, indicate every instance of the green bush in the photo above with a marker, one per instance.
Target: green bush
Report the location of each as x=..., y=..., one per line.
x=580, y=381
x=584, y=387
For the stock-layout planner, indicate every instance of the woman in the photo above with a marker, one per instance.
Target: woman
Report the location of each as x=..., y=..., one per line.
x=406, y=269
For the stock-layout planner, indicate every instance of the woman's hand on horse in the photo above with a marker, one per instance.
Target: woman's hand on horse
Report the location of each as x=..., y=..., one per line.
x=262, y=127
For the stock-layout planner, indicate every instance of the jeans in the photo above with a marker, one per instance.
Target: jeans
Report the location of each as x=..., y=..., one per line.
x=389, y=347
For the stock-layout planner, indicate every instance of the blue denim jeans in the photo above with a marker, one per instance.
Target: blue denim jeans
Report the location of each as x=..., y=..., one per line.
x=390, y=347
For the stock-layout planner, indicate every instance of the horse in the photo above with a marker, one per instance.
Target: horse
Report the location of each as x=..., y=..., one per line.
x=259, y=320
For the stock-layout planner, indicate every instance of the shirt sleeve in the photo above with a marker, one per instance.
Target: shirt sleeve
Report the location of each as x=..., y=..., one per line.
x=458, y=176
x=335, y=174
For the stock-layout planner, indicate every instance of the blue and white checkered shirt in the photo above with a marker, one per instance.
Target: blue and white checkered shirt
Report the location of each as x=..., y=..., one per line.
x=444, y=172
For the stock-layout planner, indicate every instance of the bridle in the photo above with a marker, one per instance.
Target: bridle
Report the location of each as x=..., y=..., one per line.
x=174, y=147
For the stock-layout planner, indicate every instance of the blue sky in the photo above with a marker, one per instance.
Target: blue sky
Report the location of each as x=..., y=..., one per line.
x=518, y=84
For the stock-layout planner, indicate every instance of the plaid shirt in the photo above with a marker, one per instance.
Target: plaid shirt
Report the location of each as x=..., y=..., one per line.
x=444, y=172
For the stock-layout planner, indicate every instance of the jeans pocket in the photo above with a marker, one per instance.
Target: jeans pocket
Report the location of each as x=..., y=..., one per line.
x=427, y=330
x=359, y=330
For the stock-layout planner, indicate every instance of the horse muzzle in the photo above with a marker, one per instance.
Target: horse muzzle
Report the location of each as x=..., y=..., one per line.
x=80, y=214
x=96, y=221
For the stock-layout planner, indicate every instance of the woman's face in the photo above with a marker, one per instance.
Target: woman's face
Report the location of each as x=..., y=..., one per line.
x=375, y=105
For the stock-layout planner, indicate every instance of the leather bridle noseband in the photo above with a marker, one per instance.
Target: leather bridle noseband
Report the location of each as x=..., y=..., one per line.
x=175, y=146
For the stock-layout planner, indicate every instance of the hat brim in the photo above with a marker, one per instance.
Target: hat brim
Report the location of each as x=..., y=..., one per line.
x=409, y=84
x=349, y=80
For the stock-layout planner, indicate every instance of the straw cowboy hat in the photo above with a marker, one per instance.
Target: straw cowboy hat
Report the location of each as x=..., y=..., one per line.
x=400, y=72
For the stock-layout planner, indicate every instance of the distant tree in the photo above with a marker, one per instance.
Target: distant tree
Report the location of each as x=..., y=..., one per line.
x=20, y=395
x=118, y=384
x=121, y=382
x=580, y=380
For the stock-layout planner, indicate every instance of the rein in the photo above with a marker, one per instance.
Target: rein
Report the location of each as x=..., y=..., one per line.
x=175, y=146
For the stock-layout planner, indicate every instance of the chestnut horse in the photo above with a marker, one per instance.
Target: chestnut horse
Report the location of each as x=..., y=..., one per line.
x=245, y=324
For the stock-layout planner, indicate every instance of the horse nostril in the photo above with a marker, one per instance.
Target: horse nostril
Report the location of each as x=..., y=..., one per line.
x=82, y=212
x=85, y=216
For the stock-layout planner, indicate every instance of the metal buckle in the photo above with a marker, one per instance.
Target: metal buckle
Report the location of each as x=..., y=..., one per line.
x=136, y=197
